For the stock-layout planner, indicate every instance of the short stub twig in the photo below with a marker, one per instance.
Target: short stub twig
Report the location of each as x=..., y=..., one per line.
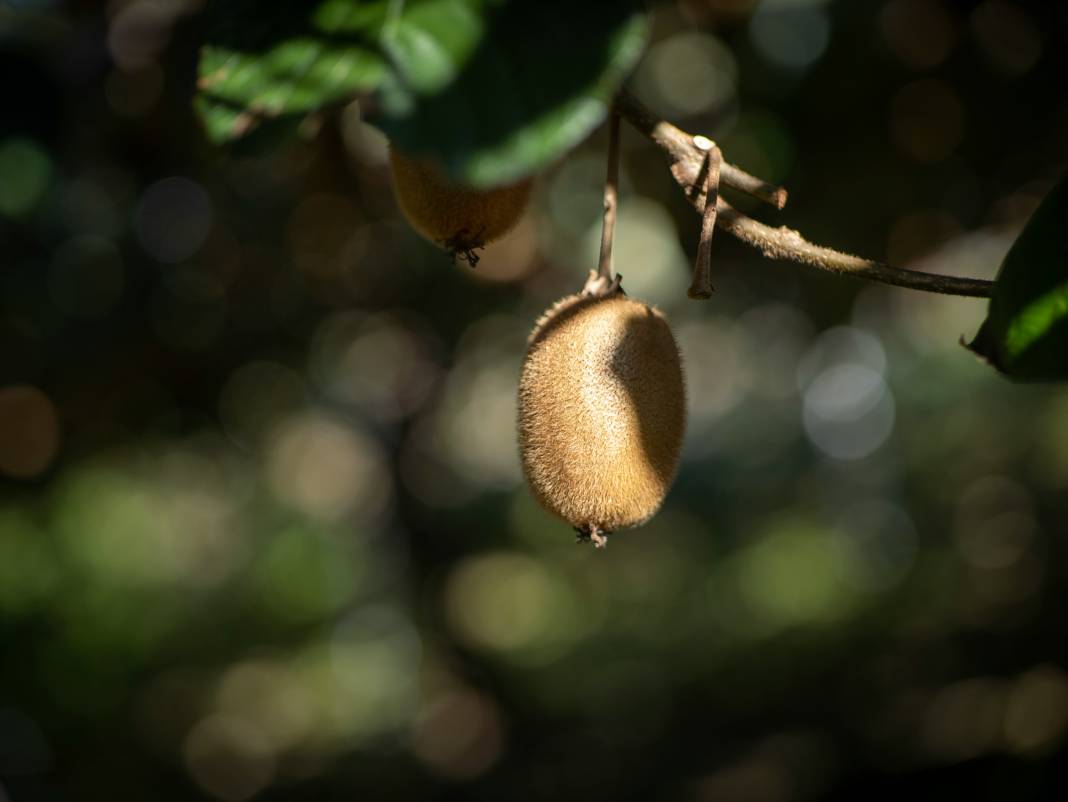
x=701, y=286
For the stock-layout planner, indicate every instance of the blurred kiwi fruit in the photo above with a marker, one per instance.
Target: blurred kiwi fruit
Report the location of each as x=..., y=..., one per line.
x=460, y=219
x=602, y=411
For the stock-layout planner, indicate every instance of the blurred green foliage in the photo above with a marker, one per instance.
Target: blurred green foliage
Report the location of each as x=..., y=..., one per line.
x=262, y=526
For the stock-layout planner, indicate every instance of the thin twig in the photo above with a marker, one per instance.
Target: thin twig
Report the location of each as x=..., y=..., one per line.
x=701, y=288
x=775, y=243
x=611, y=200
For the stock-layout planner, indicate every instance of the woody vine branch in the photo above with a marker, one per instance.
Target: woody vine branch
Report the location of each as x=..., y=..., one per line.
x=687, y=157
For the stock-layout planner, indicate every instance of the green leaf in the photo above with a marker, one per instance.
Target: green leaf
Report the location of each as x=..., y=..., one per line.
x=264, y=61
x=492, y=90
x=1025, y=334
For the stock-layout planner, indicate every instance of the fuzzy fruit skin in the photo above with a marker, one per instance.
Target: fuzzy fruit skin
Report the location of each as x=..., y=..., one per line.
x=602, y=411
x=456, y=217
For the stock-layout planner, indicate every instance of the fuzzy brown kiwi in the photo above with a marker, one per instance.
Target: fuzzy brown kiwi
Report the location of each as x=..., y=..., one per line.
x=602, y=411
x=460, y=219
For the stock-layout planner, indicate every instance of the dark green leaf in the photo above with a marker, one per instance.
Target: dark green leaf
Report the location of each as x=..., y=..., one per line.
x=1025, y=334
x=492, y=90
x=539, y=81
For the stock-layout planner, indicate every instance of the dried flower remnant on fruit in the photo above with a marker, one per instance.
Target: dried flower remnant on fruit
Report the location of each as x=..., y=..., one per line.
x=601, y=412
x=460, y=219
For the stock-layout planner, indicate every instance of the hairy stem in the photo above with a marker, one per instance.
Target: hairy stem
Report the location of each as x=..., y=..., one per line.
x=686, y=159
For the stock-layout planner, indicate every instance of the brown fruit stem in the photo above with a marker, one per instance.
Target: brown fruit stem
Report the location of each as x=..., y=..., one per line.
x=611, y=200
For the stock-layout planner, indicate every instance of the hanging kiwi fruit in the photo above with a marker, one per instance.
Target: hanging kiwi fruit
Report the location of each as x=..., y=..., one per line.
x=460, y=219
x=602, y=412
x=602, y=402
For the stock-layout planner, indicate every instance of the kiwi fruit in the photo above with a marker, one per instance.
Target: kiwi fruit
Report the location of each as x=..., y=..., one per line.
x=461, y=219
x=602, y=411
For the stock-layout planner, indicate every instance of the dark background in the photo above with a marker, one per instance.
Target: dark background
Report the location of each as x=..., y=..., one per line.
x=262, y=527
